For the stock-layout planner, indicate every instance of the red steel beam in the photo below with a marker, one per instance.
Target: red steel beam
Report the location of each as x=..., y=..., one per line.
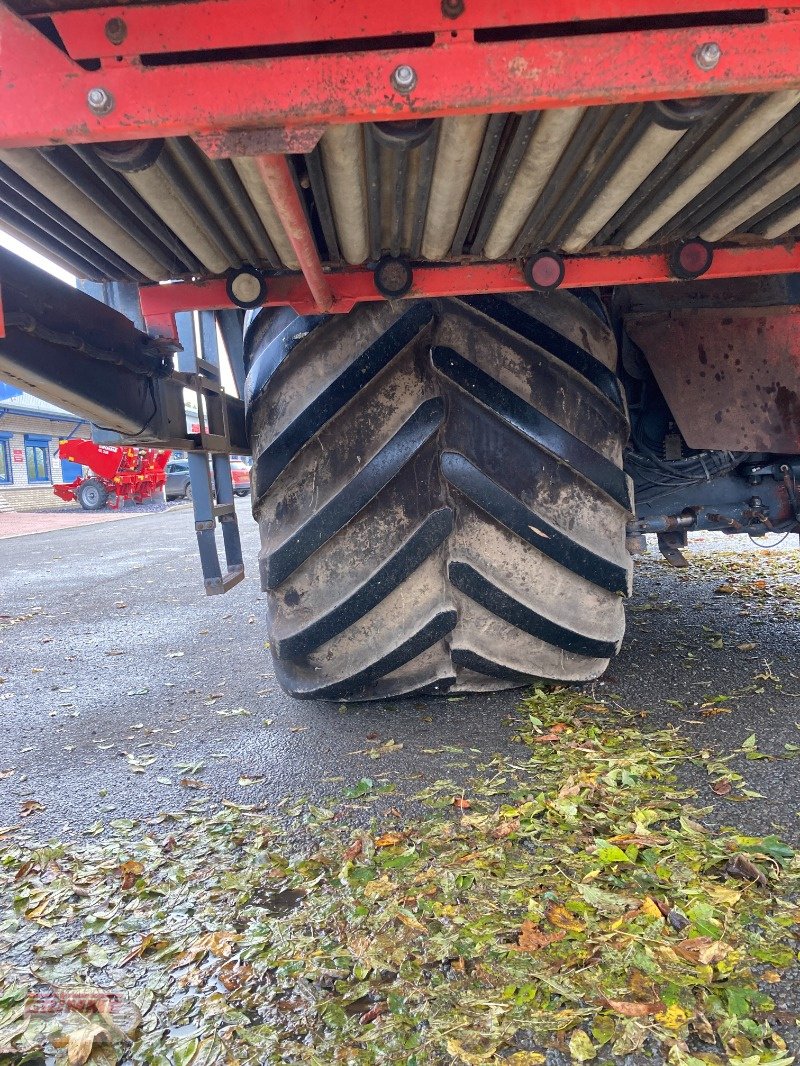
x=45, y=93
x=276, y=175
x=156, y=28
x=356, y=286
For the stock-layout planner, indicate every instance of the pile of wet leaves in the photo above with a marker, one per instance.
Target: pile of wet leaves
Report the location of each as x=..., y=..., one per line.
x=762, y=577
x=570, y=902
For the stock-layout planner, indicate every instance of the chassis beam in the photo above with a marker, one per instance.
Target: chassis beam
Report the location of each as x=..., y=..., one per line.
x=68, y=348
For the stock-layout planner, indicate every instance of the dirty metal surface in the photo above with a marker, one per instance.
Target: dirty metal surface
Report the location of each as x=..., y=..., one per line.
x=730, y=377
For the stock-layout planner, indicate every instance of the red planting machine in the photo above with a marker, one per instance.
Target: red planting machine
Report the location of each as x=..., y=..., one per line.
x=116, y=474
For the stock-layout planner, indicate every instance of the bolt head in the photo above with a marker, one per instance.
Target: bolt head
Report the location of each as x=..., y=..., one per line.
x=100, y=101
x=116, y=30
x=404, y=78
x=707, y=55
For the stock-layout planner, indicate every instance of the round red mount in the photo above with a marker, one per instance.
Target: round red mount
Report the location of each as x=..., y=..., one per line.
x=544, y=271
x=691, y=258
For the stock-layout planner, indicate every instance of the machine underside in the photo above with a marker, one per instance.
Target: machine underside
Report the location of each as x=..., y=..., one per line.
x=641, y=173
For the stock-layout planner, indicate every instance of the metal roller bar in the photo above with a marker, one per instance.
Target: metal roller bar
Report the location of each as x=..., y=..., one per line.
x=647, y=145
x=509, y=165
x=14, y=183
x=663, y=176
x=550, y=137
x=38, y=172
x=247, y=169
x=32, y=235
x=460, y=141
x=71, y=167
x=182, y=257
x=243, y=206
x=766, y=151
x=342, y=153
x=594, y=173
x=225, y=227
x=592, y=123
x=316, y=177
x=480, y=179
x=699, y=175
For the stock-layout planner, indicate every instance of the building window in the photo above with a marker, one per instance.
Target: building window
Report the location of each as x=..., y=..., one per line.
x=37, y=458
x=6, y=473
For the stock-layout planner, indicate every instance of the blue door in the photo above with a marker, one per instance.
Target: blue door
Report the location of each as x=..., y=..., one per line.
x=70, y=470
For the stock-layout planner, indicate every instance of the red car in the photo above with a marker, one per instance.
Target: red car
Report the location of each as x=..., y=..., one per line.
x=240, y=475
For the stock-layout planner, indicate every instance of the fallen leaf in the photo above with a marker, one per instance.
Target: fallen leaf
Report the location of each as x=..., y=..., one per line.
x=354, y=850
x=674, y=1017
x=81, y=1041
x=561, y=918
x=531, y=938
x=505, y=828
x=702, y=950
x=129, y=872
x=741, y=866
x=581, y=1047
x=633, y=1010
x=388, y=840
x=374, y=1012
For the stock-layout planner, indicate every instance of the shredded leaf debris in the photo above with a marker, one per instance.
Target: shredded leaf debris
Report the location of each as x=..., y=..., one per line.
x=570, y=897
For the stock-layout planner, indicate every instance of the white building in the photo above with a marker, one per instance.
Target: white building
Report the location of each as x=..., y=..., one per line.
x=30, y=430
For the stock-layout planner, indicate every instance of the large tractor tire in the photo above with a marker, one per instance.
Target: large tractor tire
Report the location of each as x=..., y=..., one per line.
x=440, y=494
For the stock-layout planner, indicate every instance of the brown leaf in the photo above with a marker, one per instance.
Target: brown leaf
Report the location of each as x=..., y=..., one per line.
x=741, y=866
x=388, y=840
x=505, y=828
x=461, y=804
x=219, y=942
x=721, y=788
x=140, y=949
x=531, y=938
x=546, y=738
x=702, y=950
x=373, y=1013
x=354, y=850
x=129, y=872
x=633, y=1010
x=81, y=1041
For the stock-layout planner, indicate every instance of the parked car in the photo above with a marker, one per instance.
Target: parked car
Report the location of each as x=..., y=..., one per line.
x=240, y=475
x=179, y=484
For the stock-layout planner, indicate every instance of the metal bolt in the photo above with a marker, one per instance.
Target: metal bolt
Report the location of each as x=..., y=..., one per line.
x=116, y=30
x=707, y=55
x=404, y=78
x=100, y=101
x=451, y=9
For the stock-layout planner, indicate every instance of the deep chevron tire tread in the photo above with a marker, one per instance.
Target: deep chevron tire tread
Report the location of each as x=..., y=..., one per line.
x=440, y=494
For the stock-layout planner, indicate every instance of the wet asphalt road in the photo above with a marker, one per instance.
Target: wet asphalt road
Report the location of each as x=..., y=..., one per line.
x=119, y=679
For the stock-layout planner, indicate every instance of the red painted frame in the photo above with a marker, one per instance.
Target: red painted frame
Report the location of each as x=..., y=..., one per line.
x=455, y=74
x=350, y=287
x=540, y=59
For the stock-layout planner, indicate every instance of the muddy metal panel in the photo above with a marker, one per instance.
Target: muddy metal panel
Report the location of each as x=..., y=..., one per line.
x=730, y=376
